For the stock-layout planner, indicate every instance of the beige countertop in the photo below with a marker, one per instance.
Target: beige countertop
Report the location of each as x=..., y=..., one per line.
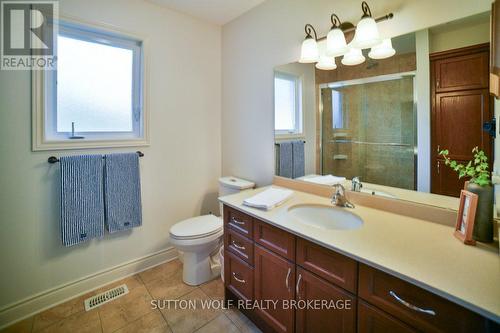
x=421, y=252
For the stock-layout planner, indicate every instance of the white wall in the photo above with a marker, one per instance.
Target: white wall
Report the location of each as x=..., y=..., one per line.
x=179, y=171
x=460, y=35
x=307, y=74
x=270, y=35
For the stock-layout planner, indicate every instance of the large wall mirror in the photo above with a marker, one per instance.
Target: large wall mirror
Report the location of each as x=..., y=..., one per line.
x=383, y=121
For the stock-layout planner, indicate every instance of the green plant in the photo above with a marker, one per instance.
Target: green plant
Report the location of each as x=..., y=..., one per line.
x=476, y=169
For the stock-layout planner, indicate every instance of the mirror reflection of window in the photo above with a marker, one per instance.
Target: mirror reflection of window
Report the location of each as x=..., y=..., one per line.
x=337, y=110
x=287, y=104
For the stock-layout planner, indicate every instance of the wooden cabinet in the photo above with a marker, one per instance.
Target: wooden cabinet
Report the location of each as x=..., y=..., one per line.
x=275, y=281
x=336, y=314
x=462, y=72
x=372, y=320
x=296, y=285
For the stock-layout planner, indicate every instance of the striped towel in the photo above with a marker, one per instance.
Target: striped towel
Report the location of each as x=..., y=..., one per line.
x=122, y=191
x=82, y=202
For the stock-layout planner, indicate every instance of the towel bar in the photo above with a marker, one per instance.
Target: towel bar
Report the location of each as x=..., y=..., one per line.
x=53, y=159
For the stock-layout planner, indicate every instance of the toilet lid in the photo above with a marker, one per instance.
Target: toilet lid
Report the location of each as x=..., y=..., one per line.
x=197, y=227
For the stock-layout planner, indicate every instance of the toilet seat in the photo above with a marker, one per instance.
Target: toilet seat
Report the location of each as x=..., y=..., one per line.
x=197, y=227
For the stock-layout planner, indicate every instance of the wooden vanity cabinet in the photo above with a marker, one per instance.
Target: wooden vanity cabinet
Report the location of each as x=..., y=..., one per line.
x=263, y=262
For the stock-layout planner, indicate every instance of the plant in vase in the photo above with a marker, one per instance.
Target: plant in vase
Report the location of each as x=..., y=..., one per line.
x=477, y=170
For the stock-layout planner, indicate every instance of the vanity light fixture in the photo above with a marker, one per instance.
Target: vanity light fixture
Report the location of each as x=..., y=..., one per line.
x=326, y=63
x=366, y=35
x=353, y=57
x=309, y=52
x=366, y=31
x=382, y=50
x=335, y=40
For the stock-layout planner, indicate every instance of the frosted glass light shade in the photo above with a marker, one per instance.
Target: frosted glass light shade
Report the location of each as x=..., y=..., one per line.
x=326, y=63
x=309, y=52
x=382, y=50
x=353, y=57
x=335, y=43
x=366, y=34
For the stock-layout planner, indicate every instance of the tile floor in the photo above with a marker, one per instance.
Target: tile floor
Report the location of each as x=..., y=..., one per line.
x=133, y=312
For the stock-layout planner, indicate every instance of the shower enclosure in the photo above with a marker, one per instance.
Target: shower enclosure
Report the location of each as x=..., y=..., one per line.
x=368, y=129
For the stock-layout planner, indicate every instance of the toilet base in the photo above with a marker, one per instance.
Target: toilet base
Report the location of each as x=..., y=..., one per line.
x=199, y=268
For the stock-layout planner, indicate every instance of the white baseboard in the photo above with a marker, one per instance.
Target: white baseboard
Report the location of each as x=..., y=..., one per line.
x=27, y=307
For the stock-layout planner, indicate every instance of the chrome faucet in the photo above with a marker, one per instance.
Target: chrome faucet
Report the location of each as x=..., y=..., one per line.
x=356, y=184
x=339, y=197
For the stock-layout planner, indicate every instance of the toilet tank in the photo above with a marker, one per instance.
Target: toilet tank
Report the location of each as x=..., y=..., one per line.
x=230, y=185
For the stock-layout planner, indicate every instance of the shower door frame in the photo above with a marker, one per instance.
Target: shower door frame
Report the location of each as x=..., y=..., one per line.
x=370, y=79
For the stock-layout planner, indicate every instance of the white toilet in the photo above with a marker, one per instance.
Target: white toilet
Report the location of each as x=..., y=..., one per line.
x=199, y=239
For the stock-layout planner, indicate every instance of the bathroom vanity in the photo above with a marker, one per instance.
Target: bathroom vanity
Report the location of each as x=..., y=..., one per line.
x=384, y=276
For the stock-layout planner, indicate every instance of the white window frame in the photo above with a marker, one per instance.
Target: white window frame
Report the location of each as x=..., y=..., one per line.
x=298, y=131
x=44, y=115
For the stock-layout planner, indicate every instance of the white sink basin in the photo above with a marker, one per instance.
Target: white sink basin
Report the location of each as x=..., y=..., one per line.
x=376, y=192
x=325, y=217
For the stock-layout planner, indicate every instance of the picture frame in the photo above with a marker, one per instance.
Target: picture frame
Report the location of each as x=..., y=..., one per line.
x=465, y=217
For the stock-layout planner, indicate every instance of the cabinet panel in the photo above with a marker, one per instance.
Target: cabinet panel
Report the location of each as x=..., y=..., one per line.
x=328, y=264
x=339, y=317
x=463, y=72
x=275, y=239
x=238, y=276
x=373, y=320
x=239, y=245
x=238, y=221
x=415, y=306
x=275, y=281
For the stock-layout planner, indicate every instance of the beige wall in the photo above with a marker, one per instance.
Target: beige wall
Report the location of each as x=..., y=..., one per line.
x=179, y=171
x=460, y=36
x=271, y=34
x=306, y=73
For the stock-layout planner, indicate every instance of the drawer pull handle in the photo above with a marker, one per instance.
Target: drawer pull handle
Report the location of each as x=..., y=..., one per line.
x=297, y=288
x=287, y=278
x=239, y=247
x=411, y=306
x=237, y=222
x=238, y=279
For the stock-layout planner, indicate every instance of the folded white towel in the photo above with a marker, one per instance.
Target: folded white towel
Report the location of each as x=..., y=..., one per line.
x=325, y=180
x=268, y=199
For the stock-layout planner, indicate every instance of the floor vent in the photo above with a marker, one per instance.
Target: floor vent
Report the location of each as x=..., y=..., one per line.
x=105, y=297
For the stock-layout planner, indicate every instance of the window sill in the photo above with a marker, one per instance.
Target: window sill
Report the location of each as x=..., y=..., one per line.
x=281, y=137
x=86, y=144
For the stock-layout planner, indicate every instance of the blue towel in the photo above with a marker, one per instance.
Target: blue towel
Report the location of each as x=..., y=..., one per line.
x=122, y=191
x=82, y=202
x=285, y=159
x=298, y=158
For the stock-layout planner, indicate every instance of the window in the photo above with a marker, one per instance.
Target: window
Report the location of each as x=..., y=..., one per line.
x=287, y=104
x=337, y=110
x=95, y=97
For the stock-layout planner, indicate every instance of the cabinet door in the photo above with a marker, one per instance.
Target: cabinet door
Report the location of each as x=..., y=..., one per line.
x=274, y=281
x=336, y=314
x=464, y=72
x=373, y=320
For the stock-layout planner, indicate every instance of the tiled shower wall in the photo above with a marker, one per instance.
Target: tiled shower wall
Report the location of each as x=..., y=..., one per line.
x=378, y=136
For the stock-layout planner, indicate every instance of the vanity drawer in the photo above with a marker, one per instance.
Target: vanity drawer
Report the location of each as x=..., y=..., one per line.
x=238, y=276
x=275, y=239
x=383, y=291
x=239, y=245
x=239, y=221
x=333, y=267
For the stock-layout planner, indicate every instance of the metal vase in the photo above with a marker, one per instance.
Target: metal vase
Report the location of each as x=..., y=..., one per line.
x=483, y=223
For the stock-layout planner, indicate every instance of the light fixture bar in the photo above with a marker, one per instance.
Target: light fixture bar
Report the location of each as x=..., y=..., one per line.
x=378, y=19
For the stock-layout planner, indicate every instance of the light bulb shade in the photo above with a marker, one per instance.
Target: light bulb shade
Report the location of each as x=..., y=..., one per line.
x=366, y=34
x=382, y=50
x=353, y=57
x=326, y=63
x=309, y=52
x=335, y=43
